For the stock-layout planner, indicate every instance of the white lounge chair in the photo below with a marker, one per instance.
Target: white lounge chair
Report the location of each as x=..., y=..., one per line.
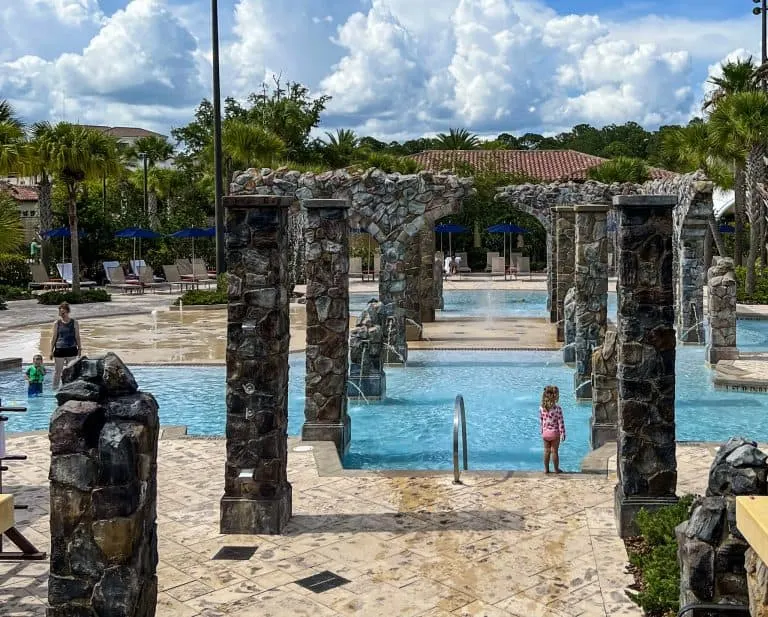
x=489, y=260
x=136, y=265
x=498, y=267
x=356, y=267
x=463, y=263
x=524, y=266
x=376, y=266
x=65, y=271
x=514, y=259
x=108, y=267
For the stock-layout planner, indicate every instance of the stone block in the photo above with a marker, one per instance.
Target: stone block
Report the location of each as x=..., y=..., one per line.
x=626, y=510
x=339, y=433
x=250, y=516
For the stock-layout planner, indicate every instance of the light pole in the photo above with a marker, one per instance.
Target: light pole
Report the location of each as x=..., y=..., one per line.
x=761, y=10
x=221, y=264
x=143, y=156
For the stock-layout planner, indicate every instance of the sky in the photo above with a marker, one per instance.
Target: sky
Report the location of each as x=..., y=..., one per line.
x=395, y=69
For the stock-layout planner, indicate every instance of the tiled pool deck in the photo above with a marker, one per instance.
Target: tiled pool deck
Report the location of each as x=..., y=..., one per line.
x=415, y=545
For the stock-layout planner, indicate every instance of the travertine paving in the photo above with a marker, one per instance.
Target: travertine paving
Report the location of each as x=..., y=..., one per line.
x=413, y=546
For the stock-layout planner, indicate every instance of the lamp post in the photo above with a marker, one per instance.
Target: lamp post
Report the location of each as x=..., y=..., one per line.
x=143, y=156
x=761, y=10
x=221, y=262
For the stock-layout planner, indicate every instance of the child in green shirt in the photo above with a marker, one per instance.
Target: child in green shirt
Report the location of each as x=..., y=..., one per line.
x=35, y=375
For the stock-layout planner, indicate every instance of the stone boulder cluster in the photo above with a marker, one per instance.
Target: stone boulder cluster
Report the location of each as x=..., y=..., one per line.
x=103, y=491
x=711, y=551
x=366, y=346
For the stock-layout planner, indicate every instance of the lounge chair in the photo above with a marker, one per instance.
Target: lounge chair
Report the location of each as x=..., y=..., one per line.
x=489, y=260
x=376, y=266
x=356, y=268
x=65, y=270
x=200, y=269
x=137, y=265
x=108, y=266
x=524, y=266
x=147, y=280
x=463, y=263
x=41, y=280
x=117, y=281
x=172, y=277
x=498, y=267
x=514, y=259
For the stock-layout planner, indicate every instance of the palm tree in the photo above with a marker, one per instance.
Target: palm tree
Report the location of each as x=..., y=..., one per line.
x=340, y=148
x=247, y=145
x=457, y=139
x=11, y=229
x=75, y=154
x=739, y=122
x=155, y=150
x=737, y=76
x=8, y=114
x=620, y=169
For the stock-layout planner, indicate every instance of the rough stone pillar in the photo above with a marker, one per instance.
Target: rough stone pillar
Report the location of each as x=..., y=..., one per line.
x=437, y=279
x=708, y=249
x=591, y=284
x=721, y=282
x=647, y=467
x=757, y=584
x=569, y=328
x=426, y=276
x=392, y=296
x=257, y=495
x=566, y=261
x=411, y=298
x=552, y=266
x=605, y=398
x=103, y=486
x=692, y=276
x=327, y=273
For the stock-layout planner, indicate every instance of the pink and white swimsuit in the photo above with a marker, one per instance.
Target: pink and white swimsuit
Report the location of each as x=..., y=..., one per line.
x=552, y=423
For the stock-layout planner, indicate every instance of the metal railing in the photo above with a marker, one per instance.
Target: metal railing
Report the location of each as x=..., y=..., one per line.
x=714, y=609
x=459, y=419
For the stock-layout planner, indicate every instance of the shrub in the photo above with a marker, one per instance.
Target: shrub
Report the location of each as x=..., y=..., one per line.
x=85, y=296
x=620, y=169
x=761, y=286
x=654, y=556
x=14, y=293
x=14, y=271
x=202, y=297
x=221, y=283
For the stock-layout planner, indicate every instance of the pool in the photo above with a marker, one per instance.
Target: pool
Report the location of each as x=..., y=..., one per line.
x=493, y=303
x=412, y=428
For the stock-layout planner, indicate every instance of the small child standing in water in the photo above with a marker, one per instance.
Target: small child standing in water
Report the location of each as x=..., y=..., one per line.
x=35, y=375
x=552, y=426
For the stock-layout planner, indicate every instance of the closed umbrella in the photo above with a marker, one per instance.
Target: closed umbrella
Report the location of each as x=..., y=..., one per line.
x=192, y=233
x=450, y=229
x=138, y=233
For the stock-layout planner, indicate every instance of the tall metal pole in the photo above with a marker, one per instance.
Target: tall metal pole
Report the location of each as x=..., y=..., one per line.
x=765, y=30
x=146, y=201
x=221, y=262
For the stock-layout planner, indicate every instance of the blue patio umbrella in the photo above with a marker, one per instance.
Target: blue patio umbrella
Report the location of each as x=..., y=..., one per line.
x=727, y=229
x=63, y=233
x=450, y=229
x=137, y=233
x=192, y=233
x=506, y=228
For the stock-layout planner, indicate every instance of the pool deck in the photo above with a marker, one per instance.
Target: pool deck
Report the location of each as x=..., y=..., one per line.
x=410, y=545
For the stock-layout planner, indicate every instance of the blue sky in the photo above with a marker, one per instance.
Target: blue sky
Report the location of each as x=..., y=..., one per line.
x=395, y=68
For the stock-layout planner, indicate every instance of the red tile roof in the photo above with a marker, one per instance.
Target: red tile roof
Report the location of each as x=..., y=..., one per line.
x=20, y=193
x=542, y=165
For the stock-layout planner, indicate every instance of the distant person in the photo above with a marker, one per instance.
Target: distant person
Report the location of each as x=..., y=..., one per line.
x=35, y=375
x=552, y=426
x=65, y=342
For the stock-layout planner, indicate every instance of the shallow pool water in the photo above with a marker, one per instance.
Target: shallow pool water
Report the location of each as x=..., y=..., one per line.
x=412, y=428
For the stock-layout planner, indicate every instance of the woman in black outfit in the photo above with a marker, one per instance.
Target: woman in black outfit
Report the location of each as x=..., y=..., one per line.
x=65, y=342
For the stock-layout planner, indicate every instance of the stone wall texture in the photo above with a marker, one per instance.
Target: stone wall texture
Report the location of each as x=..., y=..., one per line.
x=566, y=261
x=366, y=354
x=721, y=286
x=647, y=467
x=103, y=491
x=711, y=550
x=425, y=282
x=327, y=358
x=605, y=396
x=569, y=327
x=257, y=495
x=757, y=584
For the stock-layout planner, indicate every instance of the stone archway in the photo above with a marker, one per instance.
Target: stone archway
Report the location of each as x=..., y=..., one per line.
x=393, y=208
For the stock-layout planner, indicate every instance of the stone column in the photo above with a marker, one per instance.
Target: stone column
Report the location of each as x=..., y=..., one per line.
x=647, y=467
x=591, y=284
x=392, y=296
x=566, y=261
x=552, y=266
x=690, y=309
x=569, y=327
x=721, y=283
x=326, y=237
x=605, y=397
x=257, y=495
x=437, y=280
x=411, y=297
x=426, y=276
x=103, y=491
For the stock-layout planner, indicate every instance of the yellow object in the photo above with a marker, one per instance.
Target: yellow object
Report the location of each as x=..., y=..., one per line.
x=752, y=521
x=6, y=513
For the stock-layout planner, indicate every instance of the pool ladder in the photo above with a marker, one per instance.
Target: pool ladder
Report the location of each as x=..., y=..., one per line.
x=459, y=419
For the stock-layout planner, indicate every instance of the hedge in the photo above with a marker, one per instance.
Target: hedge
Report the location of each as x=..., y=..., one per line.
x=85, y=296
x=14, y=271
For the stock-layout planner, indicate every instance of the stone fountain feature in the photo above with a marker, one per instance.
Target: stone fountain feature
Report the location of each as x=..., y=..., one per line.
x=366, y=348
x=721, y=338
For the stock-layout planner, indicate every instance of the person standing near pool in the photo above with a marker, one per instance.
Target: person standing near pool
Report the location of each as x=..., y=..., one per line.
x=65, y=342
x=552, y=426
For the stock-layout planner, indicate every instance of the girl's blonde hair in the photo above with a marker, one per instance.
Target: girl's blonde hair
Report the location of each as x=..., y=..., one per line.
x=549, y=397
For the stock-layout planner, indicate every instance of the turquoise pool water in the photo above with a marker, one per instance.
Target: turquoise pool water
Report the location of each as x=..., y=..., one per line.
x=412, y=429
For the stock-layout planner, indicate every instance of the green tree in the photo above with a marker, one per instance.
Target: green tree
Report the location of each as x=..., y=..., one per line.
x=620, y=169
x=739, y=122
x=245, y=145
x=339, y=150
x=457, y=139
x=11, y=230
x=156, y=150
x=8, y=115
x=75, y=154
x=12, y=150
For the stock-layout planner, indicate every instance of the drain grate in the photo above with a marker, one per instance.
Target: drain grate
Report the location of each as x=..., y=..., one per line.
x=235, y=553
x=322, y=582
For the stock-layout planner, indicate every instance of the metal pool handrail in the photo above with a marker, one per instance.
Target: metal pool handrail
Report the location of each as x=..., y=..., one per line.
x=709, y=608
x=459, y=417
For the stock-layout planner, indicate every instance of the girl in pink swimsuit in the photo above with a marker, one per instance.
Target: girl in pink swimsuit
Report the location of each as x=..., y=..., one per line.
x=552, y=426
